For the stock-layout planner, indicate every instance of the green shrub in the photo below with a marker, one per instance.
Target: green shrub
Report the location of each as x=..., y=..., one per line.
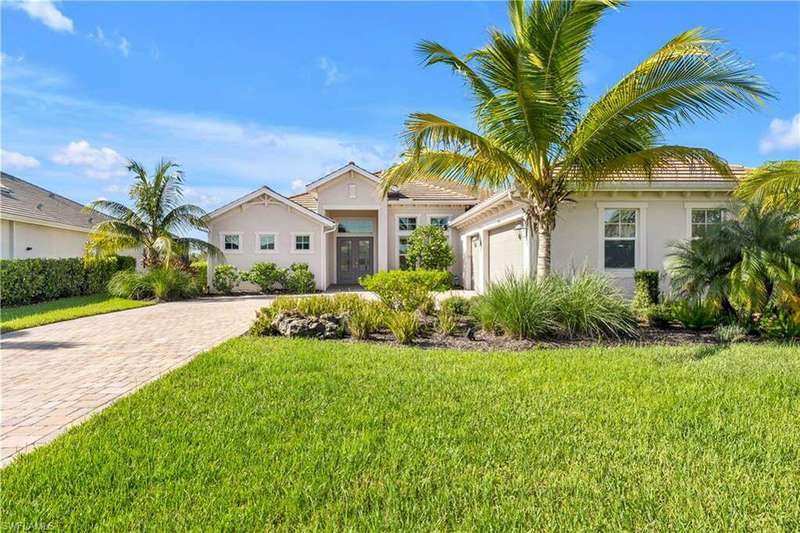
x=26, y=281
x=368, y=318
x=126, y=262
x=584, y=305
x=590, y=305
x=446, y=322
x=130, y=284
x=404, y=325
x=285, y=303
x=267, y=276
x=226, y=278
x=645, y=292
x=162, y=283
x=406, y=290
x=347, y=303
x=317, y=305
x=299, y=279
x=263, y=322
x=730, y=333
x=781, y=326
x=660, y=315
x=696, y=314
x=456, y=305
x=429, y=249
x=521, y=307
x=170, y=283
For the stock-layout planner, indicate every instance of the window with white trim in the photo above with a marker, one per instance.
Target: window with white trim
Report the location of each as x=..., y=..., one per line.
x=302, y=242
x=441, y=222
x=266, y=242
x=402, y=249
x=619, y=237
x=705, y=219
x=351, y=190
x=406, y=223
x=231, y=242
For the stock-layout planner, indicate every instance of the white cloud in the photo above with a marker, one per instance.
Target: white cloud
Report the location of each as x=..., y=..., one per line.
x=101, y=163
x=124, y=46
x=783, y=135
x=332, y=73
x=47, y=13
x=15, y=160
x=116, y=41
x=788, y=57
x=298, y=185
x=155, y=52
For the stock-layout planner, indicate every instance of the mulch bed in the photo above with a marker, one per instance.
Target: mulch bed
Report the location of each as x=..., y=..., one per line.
x=484, y=341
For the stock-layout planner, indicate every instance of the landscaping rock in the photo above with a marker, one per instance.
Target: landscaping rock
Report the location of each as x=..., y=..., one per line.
x=294, y=324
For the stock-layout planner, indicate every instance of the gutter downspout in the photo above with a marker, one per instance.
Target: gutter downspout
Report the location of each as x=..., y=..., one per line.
x=529, y=243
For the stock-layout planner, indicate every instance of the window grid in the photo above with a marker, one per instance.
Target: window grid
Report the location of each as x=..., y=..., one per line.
x=266, y=242
x=441, y=222
x=302, y=242
x=704, y=218
x=407, y=223
x=620, y=234
x=231, y=242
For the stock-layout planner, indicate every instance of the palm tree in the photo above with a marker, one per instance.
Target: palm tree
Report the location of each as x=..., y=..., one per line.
x=156, y=222
x=774, y=184
x=748, y=263
x=535, y=134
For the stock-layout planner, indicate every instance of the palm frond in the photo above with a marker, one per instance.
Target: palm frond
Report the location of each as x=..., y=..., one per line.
x=775, y=184
x=472, y=171
x=689, y=78
x=184, y=218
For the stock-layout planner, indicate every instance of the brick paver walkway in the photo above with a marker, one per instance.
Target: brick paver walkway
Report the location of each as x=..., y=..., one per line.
x=56, y=376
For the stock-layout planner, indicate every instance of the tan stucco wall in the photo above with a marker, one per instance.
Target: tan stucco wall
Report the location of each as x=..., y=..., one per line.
x=336, y=193
x=272, y=218
x=44, y=241
x=423, y=214
x=576, y=240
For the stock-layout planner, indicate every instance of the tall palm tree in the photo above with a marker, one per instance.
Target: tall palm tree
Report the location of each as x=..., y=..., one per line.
x=157, y=222
x=536, y=135
x=775, y=184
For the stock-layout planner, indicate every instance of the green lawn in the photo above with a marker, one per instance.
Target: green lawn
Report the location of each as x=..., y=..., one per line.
x=287, y=434
x=28, y=316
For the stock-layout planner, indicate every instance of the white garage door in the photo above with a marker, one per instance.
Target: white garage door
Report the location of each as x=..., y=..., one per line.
x=505, y=253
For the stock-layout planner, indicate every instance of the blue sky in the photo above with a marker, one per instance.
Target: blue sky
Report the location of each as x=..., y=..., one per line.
x=246, y=94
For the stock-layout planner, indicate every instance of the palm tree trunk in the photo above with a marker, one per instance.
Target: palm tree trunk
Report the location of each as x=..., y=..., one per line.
x=543, y=238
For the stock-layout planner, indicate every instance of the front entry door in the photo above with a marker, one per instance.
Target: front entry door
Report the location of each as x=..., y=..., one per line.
x=353, y=259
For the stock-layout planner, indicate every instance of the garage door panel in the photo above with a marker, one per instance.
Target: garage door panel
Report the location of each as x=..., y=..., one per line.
x=505, y=253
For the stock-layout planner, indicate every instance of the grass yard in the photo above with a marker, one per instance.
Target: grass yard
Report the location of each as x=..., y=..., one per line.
x=28, y=316
x=291, y=434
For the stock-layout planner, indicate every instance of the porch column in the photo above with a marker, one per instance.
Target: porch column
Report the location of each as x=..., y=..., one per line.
x=383, y=237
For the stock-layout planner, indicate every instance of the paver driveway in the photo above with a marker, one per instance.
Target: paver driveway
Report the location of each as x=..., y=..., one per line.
x=57, y=375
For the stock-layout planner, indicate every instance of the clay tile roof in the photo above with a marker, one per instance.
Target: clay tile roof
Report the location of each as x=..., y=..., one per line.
x=24, y=199
x=679, y=171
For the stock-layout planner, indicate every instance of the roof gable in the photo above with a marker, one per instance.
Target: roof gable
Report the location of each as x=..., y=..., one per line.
x=341, y=172
x=264, y=190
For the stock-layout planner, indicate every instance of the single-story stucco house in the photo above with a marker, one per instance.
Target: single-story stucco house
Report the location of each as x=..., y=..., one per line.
x=343, y=228
x=40, y=223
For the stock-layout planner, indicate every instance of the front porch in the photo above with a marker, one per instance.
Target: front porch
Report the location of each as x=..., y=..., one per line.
x=358, y=245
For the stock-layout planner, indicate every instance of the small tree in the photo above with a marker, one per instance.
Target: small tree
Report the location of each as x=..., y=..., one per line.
x=429, y=249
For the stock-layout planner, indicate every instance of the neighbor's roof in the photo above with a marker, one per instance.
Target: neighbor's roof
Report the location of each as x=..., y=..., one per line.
x=24, y=201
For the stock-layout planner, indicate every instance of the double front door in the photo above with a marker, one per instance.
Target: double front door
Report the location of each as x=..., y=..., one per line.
x=353, y=259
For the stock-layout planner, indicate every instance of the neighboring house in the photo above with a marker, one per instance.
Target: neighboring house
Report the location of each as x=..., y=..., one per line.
x=40, y=223
x=343, y=228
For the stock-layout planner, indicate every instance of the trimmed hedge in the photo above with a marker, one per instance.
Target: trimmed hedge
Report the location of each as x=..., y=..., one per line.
x=27, y=281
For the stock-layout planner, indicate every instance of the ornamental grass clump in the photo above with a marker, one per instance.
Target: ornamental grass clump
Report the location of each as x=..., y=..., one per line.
x=446, y=322
x=404, y=325
x=520, y=307
x=589, y=305
x=366, y=319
